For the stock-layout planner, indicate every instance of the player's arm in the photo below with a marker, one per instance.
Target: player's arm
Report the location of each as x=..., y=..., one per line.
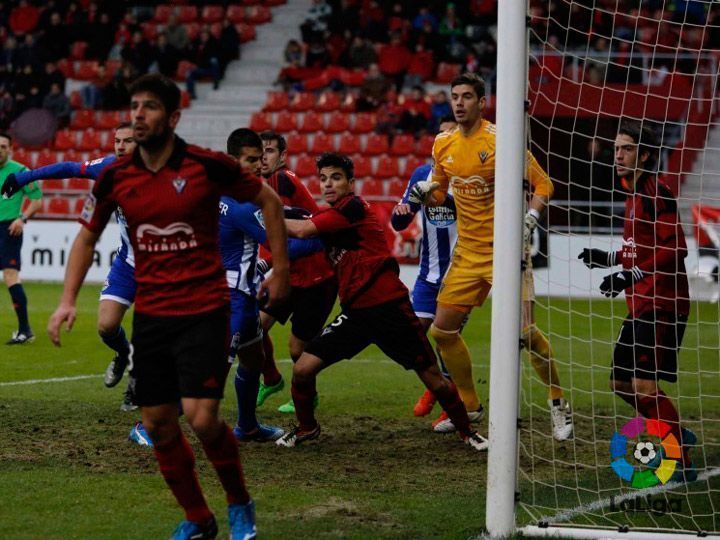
x=34, y=195
x=404, y=213
x=301, y=228
x=542, y=189
x=277, y=286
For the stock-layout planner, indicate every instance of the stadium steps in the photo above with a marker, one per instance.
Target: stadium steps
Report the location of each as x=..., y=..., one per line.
x=703, y=183
x=244, y=89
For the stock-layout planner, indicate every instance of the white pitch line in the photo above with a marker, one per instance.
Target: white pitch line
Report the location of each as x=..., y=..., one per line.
x=51, y=380
x=598, y=505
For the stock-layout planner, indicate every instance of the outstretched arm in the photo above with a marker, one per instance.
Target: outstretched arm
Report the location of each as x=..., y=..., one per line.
x=277, y=285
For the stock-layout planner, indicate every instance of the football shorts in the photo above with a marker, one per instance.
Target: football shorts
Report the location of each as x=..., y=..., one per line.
x=10, y=247
x=467, y=281
x=424, y=298
x=244, y=318
x=120, y=285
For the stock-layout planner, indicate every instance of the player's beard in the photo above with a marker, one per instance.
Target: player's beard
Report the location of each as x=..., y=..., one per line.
x=155, y=141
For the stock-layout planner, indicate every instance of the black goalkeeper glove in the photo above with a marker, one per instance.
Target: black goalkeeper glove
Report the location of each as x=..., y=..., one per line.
x=597, y=258
x=615, y=283
x=263, y=266
x=10, y=187
x=294, y=212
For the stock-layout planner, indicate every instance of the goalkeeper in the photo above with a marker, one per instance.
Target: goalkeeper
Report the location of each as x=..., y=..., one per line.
x=656, y=287
x=464, y=160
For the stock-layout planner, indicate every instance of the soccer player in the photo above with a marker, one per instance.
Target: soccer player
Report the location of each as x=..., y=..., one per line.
x=464, y=160
x=655, y=283
x=12, y=223
x=313, y=285
x=118, y=292
x=375, y=304
x=170, y=193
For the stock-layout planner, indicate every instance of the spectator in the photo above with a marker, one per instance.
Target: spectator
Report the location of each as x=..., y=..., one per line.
x=373, y=91
x=101, y=37
x=27, y=53
x=52, y=75
x=414, y=111
x=139, y=52
x=94, y=92
x=421, y=67
x=122, y=38
x=116, y=95
x=316, y=23
x=8, y=53
x=373, y=23
x=55, y=40
x=450, y=25
x=7, y=108
x=294, y=54
x=439, y=109
x=205, y=54
x=59, y=104
x=177, y=35
x=26, y=89
x=167, y=57
x=425, y=16
x=394, y=59
x=317, y=54
x=24, y=18
x=360, y=54
x=229, y=44
x=398, y=20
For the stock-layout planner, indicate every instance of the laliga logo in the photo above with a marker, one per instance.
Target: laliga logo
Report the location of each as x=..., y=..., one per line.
x=660, y=463
x=175, y=237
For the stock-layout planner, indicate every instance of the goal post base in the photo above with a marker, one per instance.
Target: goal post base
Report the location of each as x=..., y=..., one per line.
x=533, y=531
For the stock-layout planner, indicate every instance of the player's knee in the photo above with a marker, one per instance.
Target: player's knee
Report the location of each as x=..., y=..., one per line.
x=296, y=349
x=11, y=277
x=107, y=327
x=444, y=337
x=621, y=387
x=161, y=431
x=306, y=368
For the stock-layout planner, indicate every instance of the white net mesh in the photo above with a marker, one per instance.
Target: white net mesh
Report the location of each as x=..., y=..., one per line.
x=593, y=62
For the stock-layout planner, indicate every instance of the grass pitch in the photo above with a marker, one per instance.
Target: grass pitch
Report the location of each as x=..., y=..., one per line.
x=67, y=470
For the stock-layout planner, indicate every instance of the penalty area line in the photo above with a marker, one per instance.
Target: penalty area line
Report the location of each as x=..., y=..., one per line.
x=604, y=503
x=50, y=380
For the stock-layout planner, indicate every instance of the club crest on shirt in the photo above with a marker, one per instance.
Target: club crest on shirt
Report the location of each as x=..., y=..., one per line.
x=483, y=156
x=179, y=184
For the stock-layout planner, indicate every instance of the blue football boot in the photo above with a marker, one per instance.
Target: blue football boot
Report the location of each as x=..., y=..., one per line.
x=242, y=521
x=139, y=436
x=189, y=530
x=262, y=433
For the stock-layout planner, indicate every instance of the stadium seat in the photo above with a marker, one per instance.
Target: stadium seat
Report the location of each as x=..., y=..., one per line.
x=354, y=77
x=261, y=121
x=305, y=166
x=65, y=139
x=193, y=30
x=447, y=72
x=187, y=14
x=90, y=141
x=402, y=145
x=271, y=2
x=58, y=206
x=85, y=70
x=162, y=13
x=76, y=100
x=364, y=123
x=216, y=30
x=372, y=188
x=235, y=13
x=71, y=155
x=349, y=144
x=376, y=144
x=212, y=14
x=395, y=188
x=349, y=103
x=66, y=67
x=107, y=142
x=77, y=50
x=23, y=156
x=425, y=146
x=328, y=101
x=322, y=142
x=302, y=101
x=45, y=157
x=82, y=119
x=387, y=167
x=286, y=122
x=112, y=66
x=363, y=166
x=338, y=122
x=313, y=185
x=247, y=32
x=276, y=101
x=312, y=122
x=149, y=30
x=110, y=119
x=53, y=185
x=183, y=70
x=412, y=162
x=297, y=143
x=185, y=101
x=78, y=184
x=78, y=206
x=258, y=15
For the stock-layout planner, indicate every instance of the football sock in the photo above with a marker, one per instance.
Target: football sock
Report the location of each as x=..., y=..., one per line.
x=451, y=403
x=541, y=357
x=118, y=342
x=303, y=395
x=246, y=389
x=270, y=373
x=223, y=454
x=456, y=356
x=177, y=465
x=443, y=367
x=19, y=300
x=659, y=407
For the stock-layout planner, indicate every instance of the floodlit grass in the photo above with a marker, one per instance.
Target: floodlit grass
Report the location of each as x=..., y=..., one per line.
x=67, y=470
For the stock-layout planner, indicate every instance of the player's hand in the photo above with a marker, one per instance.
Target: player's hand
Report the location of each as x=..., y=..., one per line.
x=275, y=288
x=293, y=212
x=402, y=210
x=597, y=258
x=421, y=192
x=615, y=283
x=10, y=187
x=16, y=227
x=531, y=221
x=65, y=313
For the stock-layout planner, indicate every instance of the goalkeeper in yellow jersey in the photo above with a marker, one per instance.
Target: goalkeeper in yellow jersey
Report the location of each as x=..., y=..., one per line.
x=464, y=161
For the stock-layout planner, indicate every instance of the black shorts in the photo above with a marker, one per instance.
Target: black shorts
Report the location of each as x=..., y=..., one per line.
x=10, y=247
x=174, y=357
x=309, y=308
x=392, y=326
x=647, y=347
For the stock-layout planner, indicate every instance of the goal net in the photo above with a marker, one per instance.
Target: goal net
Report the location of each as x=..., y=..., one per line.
x=591, y=64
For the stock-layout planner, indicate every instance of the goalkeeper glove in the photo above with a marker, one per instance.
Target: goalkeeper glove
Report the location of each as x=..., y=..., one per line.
x=615, y=283
x=421, y=191
x=531, y=221
x=294, y=212
x=597, y=258
x=262, y=266
x=10, y=187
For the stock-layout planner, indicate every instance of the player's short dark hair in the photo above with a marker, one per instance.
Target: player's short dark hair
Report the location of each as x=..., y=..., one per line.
x=341, y=161
x=243, y=138
x=6, y=135
x=642, y=135
x=473, y=79
x=270, y=135
x=123, y=125
x=163, y=87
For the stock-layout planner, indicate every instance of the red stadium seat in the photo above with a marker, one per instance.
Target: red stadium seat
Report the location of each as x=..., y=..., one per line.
x=363, y=166
x=187, y=14
x=395, y=188
x=76, y=100
x=276, y=101
x=376, y=144
x=447, y=72
x=65, y=139
x=411, y=163
x=66, y=67
x=162, y=13
x=302, y=101
x=183, y=70
x=349, y=103
x=372, y=188
x=192, y=29
x=212, y=14
x=90, y=141
x=297, y=143
x=261, y=121
x=349, y=144
x=185, y=100
x=107, y=145
x=312, y=122
x=353, y=77
x=45, y=157
x=313, y=185
x=258, y=15
x=305, y=166
x=78, y=206
x=338, y=122
x=77, y=50
x=328, y=101
x=110, y=119
x=364, y=123
x=78, y=184
x=286, y=122
x=112, y=66
x=53, y=185
x=149, y=30
x=235, y=13
x=402, y=145
x=322, y=142
x=425, y=146
x=23, y=156
x=247, y=32
x=82, y=119
x=58, y=206
x=86, y=70
x=72, y=155
x=387, y=167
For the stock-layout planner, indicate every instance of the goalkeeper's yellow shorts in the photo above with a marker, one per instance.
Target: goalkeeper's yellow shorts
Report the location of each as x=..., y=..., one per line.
x=468, y=280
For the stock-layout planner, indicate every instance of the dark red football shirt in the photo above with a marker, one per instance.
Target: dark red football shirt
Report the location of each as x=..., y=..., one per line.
x=366, y=271
x=173, y=222
x=313, y=269
x=653, y=240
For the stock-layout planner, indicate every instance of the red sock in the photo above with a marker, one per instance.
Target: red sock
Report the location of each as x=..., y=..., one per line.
x=223, y=454
x=177, y=465
x=303, y=395
x=659, y=407
x=270, y=373
x=455, y=409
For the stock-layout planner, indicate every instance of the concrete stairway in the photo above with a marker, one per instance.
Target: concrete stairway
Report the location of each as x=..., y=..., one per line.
x=244, y=89
x=703, y=183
